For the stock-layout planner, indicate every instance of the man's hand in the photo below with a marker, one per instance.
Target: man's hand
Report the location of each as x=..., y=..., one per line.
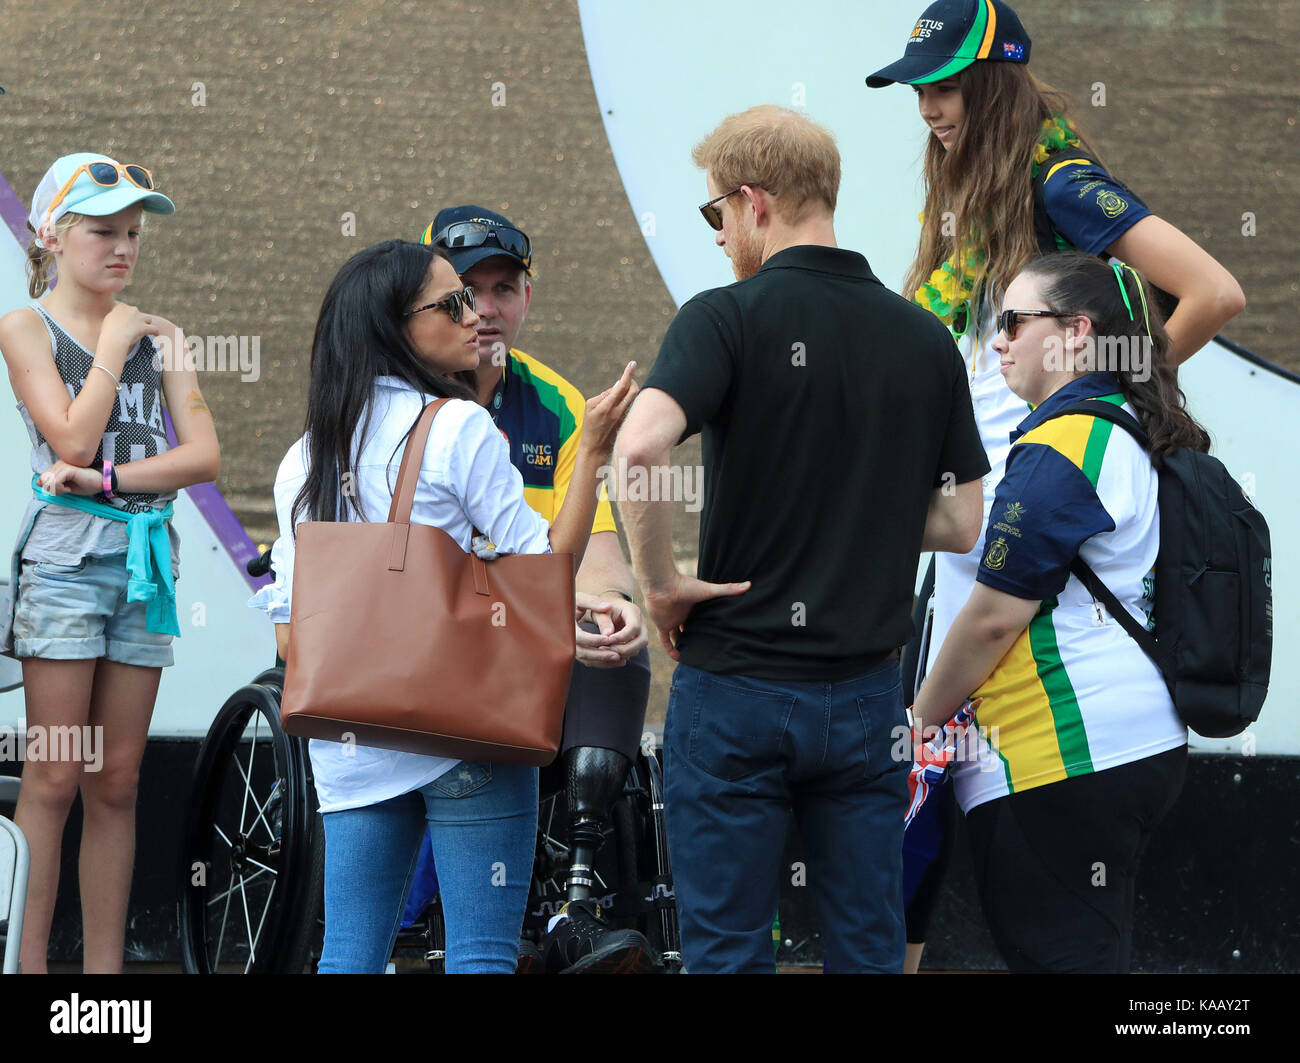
x=669, y=607
x=621, y=633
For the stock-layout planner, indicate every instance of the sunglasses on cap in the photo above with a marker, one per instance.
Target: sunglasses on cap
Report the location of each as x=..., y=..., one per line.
x=106, y=175
x=465, y=234
x=453, y=304
x=1009, y=320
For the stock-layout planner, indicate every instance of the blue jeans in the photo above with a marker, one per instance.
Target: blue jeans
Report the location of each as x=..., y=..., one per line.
x=741, y=755
x=482, y=820
x=79, y=612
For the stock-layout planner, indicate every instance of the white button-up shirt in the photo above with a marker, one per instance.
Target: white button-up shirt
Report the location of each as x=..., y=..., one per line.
x=466, y=481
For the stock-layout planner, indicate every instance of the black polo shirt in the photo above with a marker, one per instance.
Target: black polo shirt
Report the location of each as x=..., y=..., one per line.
x=830, y=409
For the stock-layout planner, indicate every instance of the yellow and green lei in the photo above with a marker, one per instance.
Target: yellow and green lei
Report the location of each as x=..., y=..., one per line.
x=949, y=292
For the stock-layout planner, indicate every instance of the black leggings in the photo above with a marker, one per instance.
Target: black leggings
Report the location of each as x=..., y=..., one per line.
x=1057, y=866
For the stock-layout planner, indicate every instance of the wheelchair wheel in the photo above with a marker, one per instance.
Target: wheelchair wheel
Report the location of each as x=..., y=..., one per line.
x=253, y=851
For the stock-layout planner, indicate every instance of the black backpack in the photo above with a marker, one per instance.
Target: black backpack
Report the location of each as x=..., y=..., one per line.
x=1213, y=641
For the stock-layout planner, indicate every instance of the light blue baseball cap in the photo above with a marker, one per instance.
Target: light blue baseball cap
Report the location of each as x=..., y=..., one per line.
x=89, y=194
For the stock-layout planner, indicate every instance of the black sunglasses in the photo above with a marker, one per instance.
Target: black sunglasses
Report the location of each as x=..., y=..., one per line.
x=1009, y=320
x=712, y=214
x=451, y=303
x=464, y=234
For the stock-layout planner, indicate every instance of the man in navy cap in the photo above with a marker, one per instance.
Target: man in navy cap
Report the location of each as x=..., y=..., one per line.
x=540, y=414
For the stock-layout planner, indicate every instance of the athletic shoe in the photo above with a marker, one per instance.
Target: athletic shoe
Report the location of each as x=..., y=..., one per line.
x=531, y=960
x=582, y=941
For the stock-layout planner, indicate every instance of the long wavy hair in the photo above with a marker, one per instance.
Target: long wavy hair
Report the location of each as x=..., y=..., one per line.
x=983, y=186
x=360, y=336
x=1071, y=282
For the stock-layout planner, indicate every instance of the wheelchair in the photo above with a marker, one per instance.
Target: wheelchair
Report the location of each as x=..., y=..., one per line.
x=251, y=874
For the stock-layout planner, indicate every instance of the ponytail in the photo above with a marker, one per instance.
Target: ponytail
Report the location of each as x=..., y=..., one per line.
x=40, y=260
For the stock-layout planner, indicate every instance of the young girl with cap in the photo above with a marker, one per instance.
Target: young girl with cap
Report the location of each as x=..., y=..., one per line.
x=1008, y=176
x=1090, y=751
x=91, y=609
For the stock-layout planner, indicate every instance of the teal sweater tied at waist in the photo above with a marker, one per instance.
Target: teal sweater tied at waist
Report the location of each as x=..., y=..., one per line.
x=148, y=556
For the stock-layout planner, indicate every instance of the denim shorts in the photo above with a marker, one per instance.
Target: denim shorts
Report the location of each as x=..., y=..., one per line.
x=80, y=612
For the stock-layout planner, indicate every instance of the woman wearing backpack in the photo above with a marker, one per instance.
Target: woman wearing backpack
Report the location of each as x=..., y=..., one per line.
x=1079, y=752
x=1009, y=175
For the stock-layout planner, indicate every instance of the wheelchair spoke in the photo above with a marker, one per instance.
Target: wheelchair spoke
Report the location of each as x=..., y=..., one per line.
x=248, y=776
x=216, y=959
x=273, y=871
x=270, y=896
x=232, y=889
x=248, y=790
x=248, y=925
x=550, y=817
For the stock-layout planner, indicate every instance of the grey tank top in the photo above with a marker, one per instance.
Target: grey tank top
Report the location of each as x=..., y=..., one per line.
x=135, y=431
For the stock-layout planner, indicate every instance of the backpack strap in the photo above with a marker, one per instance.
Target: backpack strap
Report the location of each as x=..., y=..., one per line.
x=1108, y=411
x=1150, y=645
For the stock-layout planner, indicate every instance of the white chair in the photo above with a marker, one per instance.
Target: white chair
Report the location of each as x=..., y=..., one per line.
x=14, y=859
x=11, y=671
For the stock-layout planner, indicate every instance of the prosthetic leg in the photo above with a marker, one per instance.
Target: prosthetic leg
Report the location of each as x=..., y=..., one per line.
x=593, y=781
x=602, y=729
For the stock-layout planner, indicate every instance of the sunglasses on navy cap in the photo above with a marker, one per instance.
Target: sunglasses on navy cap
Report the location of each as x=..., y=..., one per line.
x=464, y=234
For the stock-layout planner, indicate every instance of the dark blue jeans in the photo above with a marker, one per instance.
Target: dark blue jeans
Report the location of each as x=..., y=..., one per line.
x=742, y=755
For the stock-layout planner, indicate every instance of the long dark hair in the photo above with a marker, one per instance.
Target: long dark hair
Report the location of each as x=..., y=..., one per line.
x=359, y=336
x=1072, y=282
x=986, y=180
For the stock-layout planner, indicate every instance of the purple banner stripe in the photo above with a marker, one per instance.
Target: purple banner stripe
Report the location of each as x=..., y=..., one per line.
x=222, y=520
x=14, y=212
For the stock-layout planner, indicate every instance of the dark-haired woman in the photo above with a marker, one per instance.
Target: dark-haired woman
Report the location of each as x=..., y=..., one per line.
x=397, y=330
x=1008, y=176
x=1079, y=752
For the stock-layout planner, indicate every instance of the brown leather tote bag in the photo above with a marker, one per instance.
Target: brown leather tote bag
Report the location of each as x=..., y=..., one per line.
x=399, y=639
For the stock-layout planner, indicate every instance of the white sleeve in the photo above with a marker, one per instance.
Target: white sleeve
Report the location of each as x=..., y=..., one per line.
x=276, y=599
x=490, y=489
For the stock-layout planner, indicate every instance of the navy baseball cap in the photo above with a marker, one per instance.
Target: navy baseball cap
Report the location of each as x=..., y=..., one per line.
x=470, y=234
x=953, y=34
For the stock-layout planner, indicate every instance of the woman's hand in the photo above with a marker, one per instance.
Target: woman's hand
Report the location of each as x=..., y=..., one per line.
x=64, y=479
x=605, y=413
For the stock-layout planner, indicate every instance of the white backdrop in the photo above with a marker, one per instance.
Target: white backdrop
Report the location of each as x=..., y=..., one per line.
x=667, y=71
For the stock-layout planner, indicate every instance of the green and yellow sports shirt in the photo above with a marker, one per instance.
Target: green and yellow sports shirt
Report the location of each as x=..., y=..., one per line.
x=540, y=414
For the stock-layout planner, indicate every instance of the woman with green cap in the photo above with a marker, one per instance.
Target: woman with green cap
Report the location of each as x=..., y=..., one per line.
x=1009, y=176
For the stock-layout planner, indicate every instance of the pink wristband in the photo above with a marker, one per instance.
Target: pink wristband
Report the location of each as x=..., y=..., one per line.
x=108, y=479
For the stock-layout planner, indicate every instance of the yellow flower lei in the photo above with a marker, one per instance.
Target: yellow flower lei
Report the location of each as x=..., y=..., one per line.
x=949, y=292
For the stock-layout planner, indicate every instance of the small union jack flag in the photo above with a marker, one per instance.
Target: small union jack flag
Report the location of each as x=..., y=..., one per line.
x=931, y=759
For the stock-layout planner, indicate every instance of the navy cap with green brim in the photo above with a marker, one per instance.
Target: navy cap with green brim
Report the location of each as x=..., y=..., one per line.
x=950, y=36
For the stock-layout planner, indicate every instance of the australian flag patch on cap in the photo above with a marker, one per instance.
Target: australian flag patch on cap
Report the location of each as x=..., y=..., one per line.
x=1013, y=51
